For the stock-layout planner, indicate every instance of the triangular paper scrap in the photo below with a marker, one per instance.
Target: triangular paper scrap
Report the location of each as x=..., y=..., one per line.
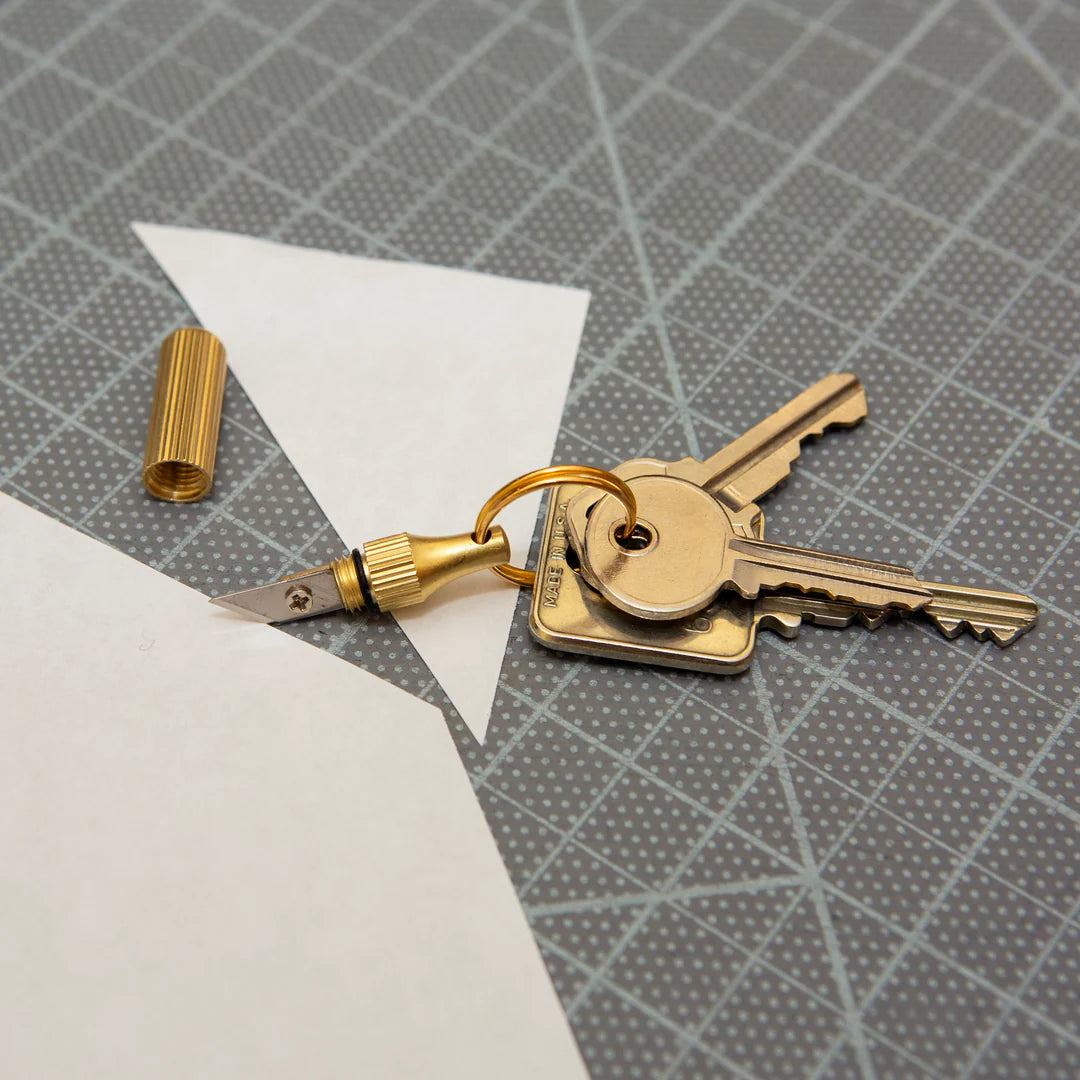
x=226, y=854
x=404, y=395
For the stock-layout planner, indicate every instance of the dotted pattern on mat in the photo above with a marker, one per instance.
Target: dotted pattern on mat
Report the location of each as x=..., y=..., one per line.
x=858, y=859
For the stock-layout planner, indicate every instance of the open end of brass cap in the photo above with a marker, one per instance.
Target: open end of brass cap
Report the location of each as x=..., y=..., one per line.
x=176, y=481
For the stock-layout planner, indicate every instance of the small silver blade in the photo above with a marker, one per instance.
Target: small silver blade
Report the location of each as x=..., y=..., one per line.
x=300, y=597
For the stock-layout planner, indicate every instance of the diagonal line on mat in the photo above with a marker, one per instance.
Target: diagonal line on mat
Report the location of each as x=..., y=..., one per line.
x=1029, y=978
x=852, y=1017
x=630, y=218
x=960, y=868
x=696, y=892
x=1024, y=45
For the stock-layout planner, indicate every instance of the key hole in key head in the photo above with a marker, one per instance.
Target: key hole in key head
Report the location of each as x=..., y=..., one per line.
x=641, y=538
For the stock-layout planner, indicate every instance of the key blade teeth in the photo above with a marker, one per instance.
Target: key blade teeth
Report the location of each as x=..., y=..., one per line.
x=756, y=565
x=784, y=623
x=898, y=606
x=951, y=628
x=822, y=611
x=1005, y=637
x=1000, y=617
x=873, y=619
x=849, y=406
x=999, y=635
x=762, y=457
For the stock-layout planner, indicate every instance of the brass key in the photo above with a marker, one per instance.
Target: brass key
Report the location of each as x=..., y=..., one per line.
x=750, y=467
x=686, y=549
x=569, y=615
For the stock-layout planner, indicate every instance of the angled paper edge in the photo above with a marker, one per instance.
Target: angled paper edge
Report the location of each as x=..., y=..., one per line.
x=424, y=389
x=224, y=852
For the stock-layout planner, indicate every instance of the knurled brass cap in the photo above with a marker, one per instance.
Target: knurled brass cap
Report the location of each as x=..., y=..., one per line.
x=391, y=572
x=185, y=416
x=402, y=570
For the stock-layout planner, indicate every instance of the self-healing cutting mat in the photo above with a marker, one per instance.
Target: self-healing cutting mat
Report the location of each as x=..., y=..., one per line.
x=860, y=857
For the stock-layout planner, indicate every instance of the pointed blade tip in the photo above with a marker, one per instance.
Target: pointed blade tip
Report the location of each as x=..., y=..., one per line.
x=227, y=604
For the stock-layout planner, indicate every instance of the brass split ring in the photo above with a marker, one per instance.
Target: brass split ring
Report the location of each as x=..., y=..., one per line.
x=537, y=480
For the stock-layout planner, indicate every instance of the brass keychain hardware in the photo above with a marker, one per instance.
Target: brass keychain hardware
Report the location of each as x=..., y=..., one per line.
x=401, y=570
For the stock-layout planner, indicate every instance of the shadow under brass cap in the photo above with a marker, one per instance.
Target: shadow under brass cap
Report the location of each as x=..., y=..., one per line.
x=185, y=416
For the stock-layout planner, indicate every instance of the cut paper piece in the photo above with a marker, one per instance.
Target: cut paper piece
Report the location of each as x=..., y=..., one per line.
x=404, y=395
x=224, y=853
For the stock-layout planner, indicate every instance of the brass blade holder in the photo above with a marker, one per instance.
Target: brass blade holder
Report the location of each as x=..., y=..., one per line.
x=402, y=570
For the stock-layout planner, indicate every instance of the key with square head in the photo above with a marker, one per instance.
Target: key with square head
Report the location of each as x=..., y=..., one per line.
x=568, y=615
x=751, y=466
x=686, y=549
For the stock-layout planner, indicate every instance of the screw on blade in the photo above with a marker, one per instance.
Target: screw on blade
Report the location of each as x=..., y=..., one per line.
x=298, y=597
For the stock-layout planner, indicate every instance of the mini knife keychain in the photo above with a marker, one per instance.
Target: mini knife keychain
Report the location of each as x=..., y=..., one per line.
x=663, y=562
x=401, y=570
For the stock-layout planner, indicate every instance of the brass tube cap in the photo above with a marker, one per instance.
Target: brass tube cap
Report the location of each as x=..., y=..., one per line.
x=185, y=416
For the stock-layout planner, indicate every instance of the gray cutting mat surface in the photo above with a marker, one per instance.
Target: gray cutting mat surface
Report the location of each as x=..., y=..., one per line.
x=858, y=859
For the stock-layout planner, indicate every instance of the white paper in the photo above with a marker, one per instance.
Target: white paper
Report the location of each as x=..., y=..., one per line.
x=224, y=853
x=404, y=395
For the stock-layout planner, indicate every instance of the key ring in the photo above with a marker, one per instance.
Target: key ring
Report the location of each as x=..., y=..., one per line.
x=537, y=480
